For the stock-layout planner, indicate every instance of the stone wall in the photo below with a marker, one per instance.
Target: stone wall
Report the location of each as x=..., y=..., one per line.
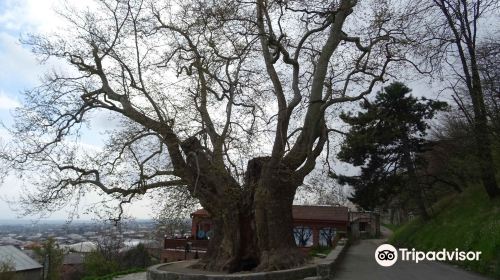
x=321, y=270
x=179, y=255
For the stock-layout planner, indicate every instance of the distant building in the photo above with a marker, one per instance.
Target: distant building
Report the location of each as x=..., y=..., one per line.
x=25, y=267
x=10, y=241
x=313, y=226
x=75, y=236
x=364, y=224
x=72, y=267
x=149, y=244
x=81, y=247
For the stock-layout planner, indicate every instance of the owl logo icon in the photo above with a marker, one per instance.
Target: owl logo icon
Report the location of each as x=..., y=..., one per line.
x=386, y=255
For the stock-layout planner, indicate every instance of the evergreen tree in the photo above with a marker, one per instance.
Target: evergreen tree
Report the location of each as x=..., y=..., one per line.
x=386, y=141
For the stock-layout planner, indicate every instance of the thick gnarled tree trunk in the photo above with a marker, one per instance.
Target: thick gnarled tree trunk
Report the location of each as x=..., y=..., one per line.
x=254, y=229
x=273, y=219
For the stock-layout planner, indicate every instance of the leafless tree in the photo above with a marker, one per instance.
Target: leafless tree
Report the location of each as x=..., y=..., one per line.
x=322, y=189
x=488, y=57
x=489, y=69
x=173, y=212
x=452, y=34
x=303, y=235
x=231, y=100
x=326, y=235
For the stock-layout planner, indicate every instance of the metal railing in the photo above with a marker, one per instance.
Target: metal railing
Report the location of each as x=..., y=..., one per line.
x=182, y=244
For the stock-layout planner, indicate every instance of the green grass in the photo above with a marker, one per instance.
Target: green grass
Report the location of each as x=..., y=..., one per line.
x=113, y=275
x=392, y=227
x=469, y=221
x=319, y=250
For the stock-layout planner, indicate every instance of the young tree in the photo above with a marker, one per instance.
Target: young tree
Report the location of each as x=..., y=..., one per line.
x=450, y=160
x=173, y=212
x=136, y=257
x=105, y=259
x=229, y=99
x=489, y=68
x=387, y=141
x=52, y=258
x=97, y=264
x=7, y=270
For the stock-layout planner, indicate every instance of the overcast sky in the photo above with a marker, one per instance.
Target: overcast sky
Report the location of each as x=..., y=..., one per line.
x=19, y=70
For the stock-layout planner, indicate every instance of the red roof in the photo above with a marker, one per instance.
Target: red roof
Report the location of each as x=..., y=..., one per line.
x=307, y=212
x=200, y=212
x=323, y=213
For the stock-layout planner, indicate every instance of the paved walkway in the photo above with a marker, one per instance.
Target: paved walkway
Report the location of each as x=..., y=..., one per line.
x=133, y=276
x=359, y=264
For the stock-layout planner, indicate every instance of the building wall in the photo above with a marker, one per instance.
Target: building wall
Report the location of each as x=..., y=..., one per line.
x=371, y=225
x=355, y=234
x=72, y=271
x=33, y=274
x=316, y=226
x=200, y=223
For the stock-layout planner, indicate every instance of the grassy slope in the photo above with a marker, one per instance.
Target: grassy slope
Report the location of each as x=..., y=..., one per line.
x=468, y=221
x=392, y=227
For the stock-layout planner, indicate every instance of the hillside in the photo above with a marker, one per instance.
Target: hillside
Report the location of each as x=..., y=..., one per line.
x=467, y=221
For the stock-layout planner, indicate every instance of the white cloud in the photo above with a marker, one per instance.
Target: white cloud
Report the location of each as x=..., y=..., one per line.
x=18, y=64
x=7, y=102
x=31, y=15
x=38, y=16
x=18, y=18
x=20, y=70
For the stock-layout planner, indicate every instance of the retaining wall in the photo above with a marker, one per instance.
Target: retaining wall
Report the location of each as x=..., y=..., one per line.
x=321, y=270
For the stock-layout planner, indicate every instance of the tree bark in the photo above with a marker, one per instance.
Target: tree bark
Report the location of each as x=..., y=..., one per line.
x=273, y=217
x=482, y=136
x=482, y=131
x=414, y=186
x=221, y=195
x=464, y=32
x=254, y=230
x=232, y=247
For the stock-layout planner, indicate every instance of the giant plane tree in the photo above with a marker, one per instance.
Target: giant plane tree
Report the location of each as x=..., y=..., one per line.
x=231, y=101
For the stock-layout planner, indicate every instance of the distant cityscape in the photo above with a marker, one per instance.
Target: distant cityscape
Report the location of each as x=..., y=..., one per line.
x=85, y=247
x=27, y=234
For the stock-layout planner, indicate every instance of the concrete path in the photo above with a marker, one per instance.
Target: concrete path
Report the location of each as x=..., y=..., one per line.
x=133, y=276
x=359, y=264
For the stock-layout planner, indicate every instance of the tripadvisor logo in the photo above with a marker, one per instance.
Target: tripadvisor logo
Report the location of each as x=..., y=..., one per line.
x=387, y=255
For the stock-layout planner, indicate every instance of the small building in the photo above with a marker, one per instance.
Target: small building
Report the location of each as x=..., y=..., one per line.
x=313, y=226
x=72, y=266
x=201, y=225
x=319, y=225
x=364, y=224
x=24, y=267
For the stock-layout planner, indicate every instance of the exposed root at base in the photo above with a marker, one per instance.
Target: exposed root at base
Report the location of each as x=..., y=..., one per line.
x=280, y=259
